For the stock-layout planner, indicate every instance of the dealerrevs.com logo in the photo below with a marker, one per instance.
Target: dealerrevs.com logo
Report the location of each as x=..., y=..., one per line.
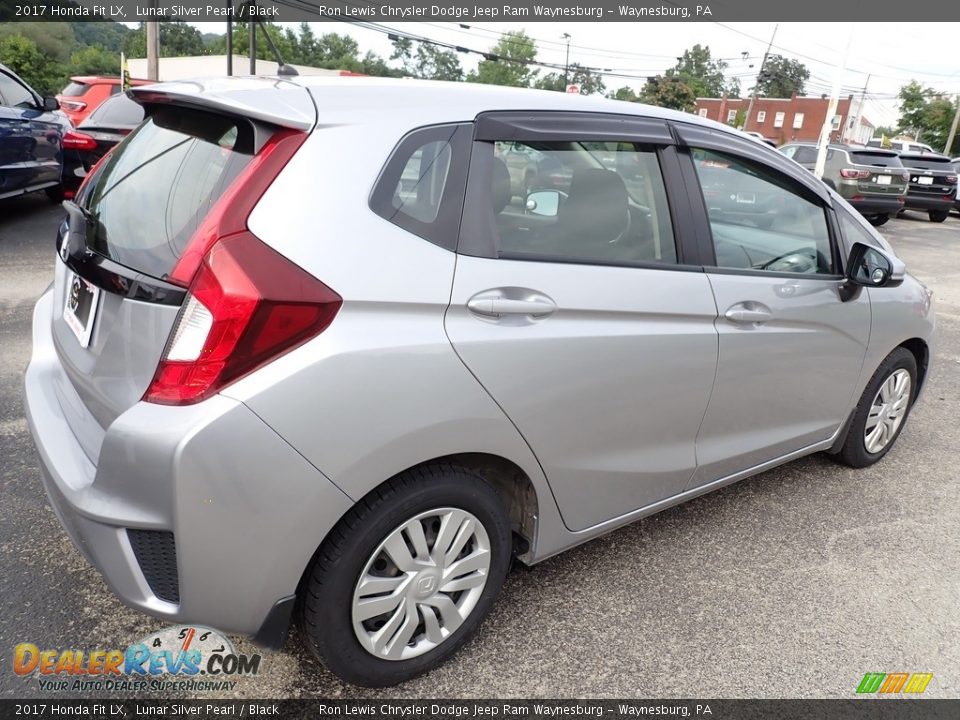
x=182, y=657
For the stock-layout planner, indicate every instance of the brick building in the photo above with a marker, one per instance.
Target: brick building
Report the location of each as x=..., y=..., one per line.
x=792, y=119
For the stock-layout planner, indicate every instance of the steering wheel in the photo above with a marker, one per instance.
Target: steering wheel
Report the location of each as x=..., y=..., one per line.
x=796, y=261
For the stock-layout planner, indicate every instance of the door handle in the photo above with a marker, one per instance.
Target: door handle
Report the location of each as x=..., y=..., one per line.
x=494, y=305
x=748, y=313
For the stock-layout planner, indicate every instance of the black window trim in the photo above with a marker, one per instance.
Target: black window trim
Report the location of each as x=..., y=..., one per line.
x=444, y=229
x=700, y=206
x=477, y=237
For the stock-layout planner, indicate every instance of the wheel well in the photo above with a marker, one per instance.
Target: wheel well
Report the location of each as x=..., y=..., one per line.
x=922, y=355
x=518, y=492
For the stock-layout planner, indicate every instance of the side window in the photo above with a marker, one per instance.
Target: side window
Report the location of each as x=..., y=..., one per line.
x=758, y=219
x=790, y=151
x=589, y=202
x=421, y=187
x=806, y=155
x=13, y=94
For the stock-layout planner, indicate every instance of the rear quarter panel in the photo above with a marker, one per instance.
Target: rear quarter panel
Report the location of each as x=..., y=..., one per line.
x=380, y=390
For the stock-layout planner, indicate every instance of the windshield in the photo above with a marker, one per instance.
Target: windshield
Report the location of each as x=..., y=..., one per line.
x=155, y=188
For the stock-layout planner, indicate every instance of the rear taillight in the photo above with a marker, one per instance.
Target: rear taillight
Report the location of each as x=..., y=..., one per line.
x=72, y=105
x=246, y=306
x=951, y=179
x=229, y=214
x=854, y=174
x=246, y=303
x=73, y=140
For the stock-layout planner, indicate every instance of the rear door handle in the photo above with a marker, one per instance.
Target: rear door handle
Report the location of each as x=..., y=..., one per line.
x=494, y=305
x=748, y=313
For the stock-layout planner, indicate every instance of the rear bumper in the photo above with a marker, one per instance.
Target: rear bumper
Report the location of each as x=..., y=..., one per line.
x=246, y=511
x=878, y=205
x=929, y=202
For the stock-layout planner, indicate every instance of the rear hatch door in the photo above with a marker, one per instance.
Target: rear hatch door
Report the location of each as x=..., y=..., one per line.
x=884, y=172
x=115, y=302
x=931, y=175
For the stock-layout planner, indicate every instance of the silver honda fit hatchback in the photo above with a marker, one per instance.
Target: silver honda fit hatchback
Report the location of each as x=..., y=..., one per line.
x=379, y=338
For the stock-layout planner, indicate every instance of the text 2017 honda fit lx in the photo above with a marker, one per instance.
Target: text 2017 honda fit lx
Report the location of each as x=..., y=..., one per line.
x=384, y=336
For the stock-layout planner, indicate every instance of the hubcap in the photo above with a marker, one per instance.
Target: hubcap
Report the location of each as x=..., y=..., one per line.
x=421, y=583
x=887, y=411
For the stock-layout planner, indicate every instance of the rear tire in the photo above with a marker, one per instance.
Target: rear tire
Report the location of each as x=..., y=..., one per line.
x=878, y=405
x=370, y=556
x=55, y=194
x=938, y=216
x=878, y=220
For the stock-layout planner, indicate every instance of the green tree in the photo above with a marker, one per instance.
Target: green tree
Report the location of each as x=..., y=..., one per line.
x=43, y=74
x=589, y=82
x=669, y=93
x=94, y=61
x=627, y=94
x=508, y=62
x=110, y=36
x=177, y=39
x=54, y=39
x=927, y=113
x=781, y=77
x=704, y=75
x=429, y=61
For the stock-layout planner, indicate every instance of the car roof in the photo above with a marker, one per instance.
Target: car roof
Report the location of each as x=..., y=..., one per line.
x=388, y=104
x=845, y=146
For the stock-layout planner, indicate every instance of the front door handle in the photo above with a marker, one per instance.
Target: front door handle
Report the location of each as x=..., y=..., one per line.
x=494, y=305
x=748, y=313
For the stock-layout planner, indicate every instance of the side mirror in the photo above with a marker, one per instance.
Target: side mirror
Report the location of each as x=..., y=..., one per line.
x=50, y=104
x=868, y=266
x=545, y=203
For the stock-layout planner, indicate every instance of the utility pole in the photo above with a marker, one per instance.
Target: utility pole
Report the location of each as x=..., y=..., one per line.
x=229, y=38
x=153, y=48
x=253, y=37
x=756, y=86
x=831, y=111
x=856, y=124
x=566, y=65
x=953, y=129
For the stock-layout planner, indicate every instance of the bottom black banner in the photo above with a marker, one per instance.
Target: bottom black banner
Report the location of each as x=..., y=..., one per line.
x=873, y=709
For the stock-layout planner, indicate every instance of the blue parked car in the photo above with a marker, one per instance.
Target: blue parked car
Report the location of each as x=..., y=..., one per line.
x=31, y=139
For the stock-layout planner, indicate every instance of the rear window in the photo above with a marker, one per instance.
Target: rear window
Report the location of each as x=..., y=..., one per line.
x=116, y=112
x=943, y=164
x=876, y=159
x=148, y=198
x=75, y=89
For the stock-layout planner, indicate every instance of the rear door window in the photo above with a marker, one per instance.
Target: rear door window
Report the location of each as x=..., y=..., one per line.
x=580, y=201
x=146, y=201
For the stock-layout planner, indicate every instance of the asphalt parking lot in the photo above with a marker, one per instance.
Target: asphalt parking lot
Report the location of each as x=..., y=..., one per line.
x=793, y=583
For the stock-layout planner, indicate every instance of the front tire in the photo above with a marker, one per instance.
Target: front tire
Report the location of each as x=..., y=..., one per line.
x=878, y=220
x=406, y=576
x=882, y=411
x=938, y=216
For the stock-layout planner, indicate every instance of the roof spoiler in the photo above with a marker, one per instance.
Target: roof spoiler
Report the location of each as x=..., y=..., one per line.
x=256, y=98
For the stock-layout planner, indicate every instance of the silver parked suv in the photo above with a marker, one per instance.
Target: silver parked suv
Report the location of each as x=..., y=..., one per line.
x=311, y=353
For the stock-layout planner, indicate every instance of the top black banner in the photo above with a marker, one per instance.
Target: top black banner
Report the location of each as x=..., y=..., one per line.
x=638, y=11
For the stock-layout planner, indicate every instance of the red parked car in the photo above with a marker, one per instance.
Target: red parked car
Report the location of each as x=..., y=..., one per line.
x=84, y=94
